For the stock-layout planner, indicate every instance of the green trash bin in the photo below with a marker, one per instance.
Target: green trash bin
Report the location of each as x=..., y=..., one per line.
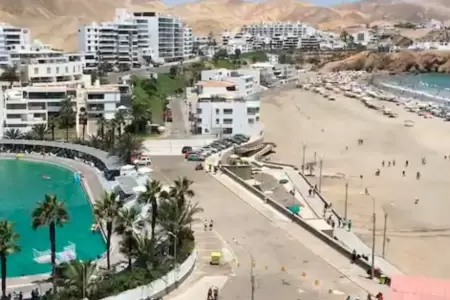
x=382, y=279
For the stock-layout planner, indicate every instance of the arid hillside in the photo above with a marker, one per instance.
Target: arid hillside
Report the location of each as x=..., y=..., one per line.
x=56, y=21
x=406, y=61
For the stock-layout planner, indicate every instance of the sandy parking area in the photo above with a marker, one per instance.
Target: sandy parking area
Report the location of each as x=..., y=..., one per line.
x=417, y=233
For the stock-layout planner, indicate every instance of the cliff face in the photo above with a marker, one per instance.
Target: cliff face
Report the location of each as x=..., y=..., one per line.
x=406, y=61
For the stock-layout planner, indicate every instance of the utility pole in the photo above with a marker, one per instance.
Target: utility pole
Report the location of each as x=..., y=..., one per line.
x=346, y=200
x=384, y=234
x=303, y=159
x=252, y=278
x=320, y=173
x=372, y=271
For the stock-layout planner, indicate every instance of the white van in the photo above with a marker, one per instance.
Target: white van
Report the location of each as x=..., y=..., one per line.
x=144, y=160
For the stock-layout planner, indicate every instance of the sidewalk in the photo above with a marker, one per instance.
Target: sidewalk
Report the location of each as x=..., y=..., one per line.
x=324, y=251
x=348, y=239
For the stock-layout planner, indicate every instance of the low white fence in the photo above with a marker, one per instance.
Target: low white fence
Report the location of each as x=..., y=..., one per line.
x=162, y=286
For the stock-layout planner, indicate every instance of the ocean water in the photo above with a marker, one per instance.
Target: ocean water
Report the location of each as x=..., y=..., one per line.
x=427, y=86
x=22, y=185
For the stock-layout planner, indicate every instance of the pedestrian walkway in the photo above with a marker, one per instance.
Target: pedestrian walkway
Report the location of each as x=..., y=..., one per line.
x=205, y=275
x=319, y=248
x=316, y=204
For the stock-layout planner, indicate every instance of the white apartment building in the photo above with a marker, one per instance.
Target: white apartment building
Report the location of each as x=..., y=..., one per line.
x=221, y=110
x=238, y=44
x=25, y=107
x=11, y=35
x=245, y=81
x=272, y=29
x=365, y=37
x=151, y=37
x=116, y=43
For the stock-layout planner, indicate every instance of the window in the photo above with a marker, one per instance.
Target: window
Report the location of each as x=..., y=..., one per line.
x=257, y=119
x=57, y=70
x=217, y=111
x=199, y=111
x=36, y=71
x=217, y=121
x=67, y=69
x=228, y=130
x=251, y=121
x=48, y=70
x=227, y=121
x=199, y=120
x=227, y=111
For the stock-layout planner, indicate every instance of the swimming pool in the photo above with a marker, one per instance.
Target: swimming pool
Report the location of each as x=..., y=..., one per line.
x=24, y=183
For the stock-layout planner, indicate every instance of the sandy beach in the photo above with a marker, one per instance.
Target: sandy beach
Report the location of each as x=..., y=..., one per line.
x=417, y=233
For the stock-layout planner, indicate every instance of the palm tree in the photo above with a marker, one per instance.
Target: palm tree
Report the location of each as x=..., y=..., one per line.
x=12, y=134
x=39, y=131
x=149, y=256
x=176, y=218
x=10, y=74
x=66, y=114
x=107, y=210
x=181, y=190
x=126, y=147
x=76, y=276
x=8, y=245
x=95, y=141
x=84, y=121
x=52, y=125
x=101, y=122
x=153, y=190
x=29, y=135
x=51, y=213
x=128, y=221
x=120, y=120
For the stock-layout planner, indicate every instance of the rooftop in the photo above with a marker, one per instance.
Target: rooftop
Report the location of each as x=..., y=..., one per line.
x=215, y=83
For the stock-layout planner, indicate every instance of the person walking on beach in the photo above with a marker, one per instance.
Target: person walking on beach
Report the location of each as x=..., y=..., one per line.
x=393, y=162
x=406, y=163
x=389, y=163
x=310, y=192
x=210, y=294
x=382, y=163
x=403, y=173
x=349, y=225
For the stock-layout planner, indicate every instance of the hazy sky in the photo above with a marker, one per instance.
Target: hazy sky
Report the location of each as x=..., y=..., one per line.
x=319, y=2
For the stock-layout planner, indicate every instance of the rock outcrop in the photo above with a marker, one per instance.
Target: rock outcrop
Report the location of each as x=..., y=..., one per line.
x=405, y=61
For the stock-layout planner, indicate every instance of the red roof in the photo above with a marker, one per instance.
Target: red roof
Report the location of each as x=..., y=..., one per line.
x=419, y=288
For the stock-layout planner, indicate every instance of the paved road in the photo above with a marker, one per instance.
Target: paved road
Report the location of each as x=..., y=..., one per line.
x=251, y=234
x=178, y=128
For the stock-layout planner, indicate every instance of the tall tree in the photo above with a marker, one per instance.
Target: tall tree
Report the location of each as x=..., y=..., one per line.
x=83, y=118
x=8, y=245
x=52, y=126
x=126, y=147
x=51, y=213
x=120, y=120
x=10, y=74
x=107, y=210
x=128, y=221
x=102, y=123
x=12, y=134
x=39, y=131
x=77, y=276
x=153, y=191
x=66, y=114
x=181, y=190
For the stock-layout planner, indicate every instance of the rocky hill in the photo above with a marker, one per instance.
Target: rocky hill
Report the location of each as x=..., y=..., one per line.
x=57, y=21
x=406, y=61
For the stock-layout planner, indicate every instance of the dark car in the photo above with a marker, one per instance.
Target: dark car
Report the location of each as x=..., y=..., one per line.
x=186, y=149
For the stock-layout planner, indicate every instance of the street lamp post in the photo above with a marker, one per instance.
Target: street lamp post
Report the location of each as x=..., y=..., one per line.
x=320, y=173
x=174, y=255
x=346, y=200
x=384, y=234
x=372, y=269
x=303, y=159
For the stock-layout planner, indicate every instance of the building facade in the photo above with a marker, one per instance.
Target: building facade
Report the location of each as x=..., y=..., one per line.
x=11, y=36
x=151, y=37
x=245, y=81
x=221, y=111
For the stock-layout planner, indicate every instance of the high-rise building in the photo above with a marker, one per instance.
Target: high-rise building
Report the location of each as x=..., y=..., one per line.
x=154, y=37
x=11, y=35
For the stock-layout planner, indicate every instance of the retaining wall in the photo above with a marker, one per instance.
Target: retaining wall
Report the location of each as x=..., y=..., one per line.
x=162, y=286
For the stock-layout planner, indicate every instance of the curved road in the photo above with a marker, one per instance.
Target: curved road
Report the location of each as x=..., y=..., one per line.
x=251, y=234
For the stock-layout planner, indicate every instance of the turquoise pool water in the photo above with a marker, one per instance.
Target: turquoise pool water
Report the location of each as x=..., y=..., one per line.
x=21, y=187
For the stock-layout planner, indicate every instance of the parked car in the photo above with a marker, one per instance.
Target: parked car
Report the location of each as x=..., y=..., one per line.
x=218, y=146
x=242, y=137
x=195, y=157
x=210, y=149
x=231, y=141
x=186, y=149
x=191, y=152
